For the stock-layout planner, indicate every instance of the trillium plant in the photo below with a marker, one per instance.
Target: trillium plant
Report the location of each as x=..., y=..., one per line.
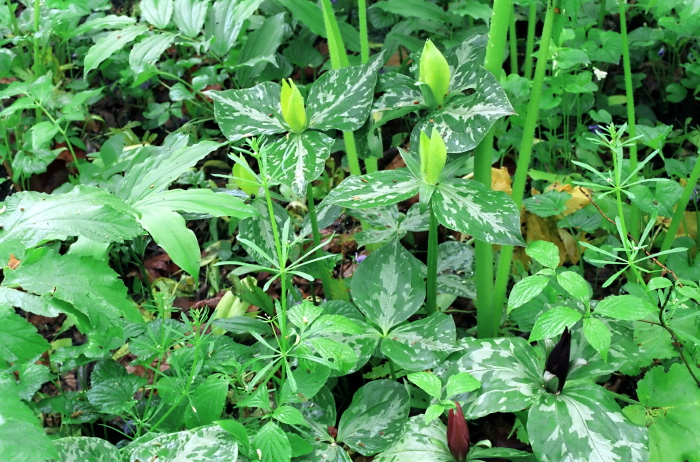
x=161, y=300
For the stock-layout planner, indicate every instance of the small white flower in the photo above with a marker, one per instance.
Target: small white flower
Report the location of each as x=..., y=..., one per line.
x=599, y=75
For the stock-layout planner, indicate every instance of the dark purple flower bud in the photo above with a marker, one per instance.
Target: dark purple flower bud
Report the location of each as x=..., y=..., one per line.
x=558, y=360
x=457, y=434
x=595, y=129
x=662, y=51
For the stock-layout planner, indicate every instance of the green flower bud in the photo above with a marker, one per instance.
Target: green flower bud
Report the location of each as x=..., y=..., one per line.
x=434, y=72
x=244, y=178
x=293, y=110
x=433, y=155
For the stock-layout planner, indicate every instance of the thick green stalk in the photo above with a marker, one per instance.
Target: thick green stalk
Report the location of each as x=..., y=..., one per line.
x=326, y=277
x=488, y=318
x=339, y=59
x=36, y=66
x=631, y=118
x=364, y=37
x=431, y=300
x=513, y=42
x=525, y=151
x=679, y=213
x=530, y=43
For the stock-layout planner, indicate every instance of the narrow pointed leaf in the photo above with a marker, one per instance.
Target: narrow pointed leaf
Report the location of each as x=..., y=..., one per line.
x=110, y=44
x=169, y=231
x=146, y=53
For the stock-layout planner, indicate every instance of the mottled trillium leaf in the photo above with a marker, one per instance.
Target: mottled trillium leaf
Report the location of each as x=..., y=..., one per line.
x=340, y=99
x=509, y=369
x=205, y=444
x=248, y=112
x=375, y=189
x=299, y=158
x=464, y=120
x=388, y=287
x=375, y=418
x=584, y=423
x=422, y=344
x=420, y=442
x=469, y=207
x=83, y=448
x=401, y=96
x=465, y=63
x=671, y=410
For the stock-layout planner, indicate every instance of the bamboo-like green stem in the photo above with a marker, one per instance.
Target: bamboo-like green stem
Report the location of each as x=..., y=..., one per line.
x=679, y=213
x=513, y=42
x=371, y=164
x=488, y=317
x=530, y=43
x=631, y=118
x=431, y=296
x=364, y=37
x=336, y=47
x=326, y=278
x=525, y=151
x=601, y=13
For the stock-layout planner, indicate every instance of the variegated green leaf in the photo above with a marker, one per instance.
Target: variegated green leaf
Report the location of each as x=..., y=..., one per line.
x=299, y=158
x=464, y=120
x=469, y=207
x=340, y=99
x=584, y=424
x=465, y=63
x=376, y=417
x=422, y=344
x=509, y=370
x=327, y=453
x=401, y=96
x=388, y=286
x=248, y=112
x=83, y=448
x=205, y=444
x=420, y=442
x=375, y=189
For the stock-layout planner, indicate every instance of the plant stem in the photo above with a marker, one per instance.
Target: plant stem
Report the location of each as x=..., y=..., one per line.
x=513, y=42
x=326, y=278
x=489, y=317
x=530, y=43
x=431, y=301
x=634, y=216
x=526, y=143
x=364, y=37
x=679, y=213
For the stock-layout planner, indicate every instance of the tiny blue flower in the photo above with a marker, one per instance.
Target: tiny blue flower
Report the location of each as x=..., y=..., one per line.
x=595, y=129
x=359, y=258
x=662, y=51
